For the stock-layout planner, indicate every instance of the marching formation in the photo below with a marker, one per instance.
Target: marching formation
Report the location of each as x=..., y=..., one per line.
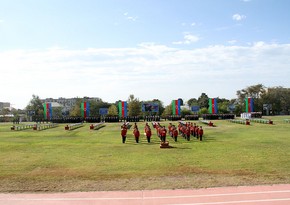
x=184, y=129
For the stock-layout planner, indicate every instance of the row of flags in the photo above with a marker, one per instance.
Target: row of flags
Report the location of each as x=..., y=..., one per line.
x=123, y=108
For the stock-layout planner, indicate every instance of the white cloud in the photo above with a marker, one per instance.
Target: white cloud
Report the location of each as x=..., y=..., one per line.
x=130, y=18
x=148, y=71
x=232, y=42
x=193, y=24
x=1, y=21
x=238, y=17
x=187, y=39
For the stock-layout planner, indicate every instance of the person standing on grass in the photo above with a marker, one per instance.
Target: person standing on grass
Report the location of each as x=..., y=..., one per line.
x=148, y=133
x=175, y=133
x=197, y=132
x=163, y=134
x=193, y=130
x=136, y=134
x=200, y=133
x=123, y=132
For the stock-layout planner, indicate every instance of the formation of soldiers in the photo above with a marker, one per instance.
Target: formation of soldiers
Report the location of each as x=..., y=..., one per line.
x=110, y=119
x=131, y=119
x=66, y=120
x=218, y=116
x=191, y=117
x=187, y=129
x=152, y=118
x=174, y=117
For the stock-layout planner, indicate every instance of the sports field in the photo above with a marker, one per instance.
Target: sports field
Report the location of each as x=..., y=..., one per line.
x=91, y=160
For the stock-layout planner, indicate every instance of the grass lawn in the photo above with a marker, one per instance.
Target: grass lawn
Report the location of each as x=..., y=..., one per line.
x=89, y=160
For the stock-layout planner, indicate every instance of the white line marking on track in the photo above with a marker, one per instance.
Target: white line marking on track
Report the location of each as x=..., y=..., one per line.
x=236, y=202
x=142, y=197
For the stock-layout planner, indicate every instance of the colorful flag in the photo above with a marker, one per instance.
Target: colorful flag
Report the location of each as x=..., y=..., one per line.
x=249, y=104
x=175, y=107
x=122, y=109
x=213, y=106
x=85, y=109
x=47, y=111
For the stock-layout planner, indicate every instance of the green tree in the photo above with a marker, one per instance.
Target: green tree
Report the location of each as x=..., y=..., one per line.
x=161, y=106
x=96, y=105
x=223, y=105
x=192, y=102
x=167, y=111
x=203, y=101
x=57, y=111
x=185, y=112
x=203, y=111
x=279, y=98
x=134, y=106
x=76, y=110
x=255, y=92
x=36, y=105
x=113, y=110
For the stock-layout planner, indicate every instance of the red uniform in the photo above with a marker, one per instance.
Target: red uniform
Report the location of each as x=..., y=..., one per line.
x=137, y=135
x=124, y=133
x=200, y=133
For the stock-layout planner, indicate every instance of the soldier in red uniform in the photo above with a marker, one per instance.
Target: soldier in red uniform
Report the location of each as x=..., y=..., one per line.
x=200, y=133
x=136, y=134
x=197, y=132
x=124, y=132
x=163, y=132
x=187, y=133
x=175, y=133
x=148, y=133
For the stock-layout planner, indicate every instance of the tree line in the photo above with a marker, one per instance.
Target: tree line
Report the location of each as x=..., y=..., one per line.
x=271, y=100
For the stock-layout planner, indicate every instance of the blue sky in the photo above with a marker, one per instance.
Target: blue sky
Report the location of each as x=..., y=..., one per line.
x=163, y=49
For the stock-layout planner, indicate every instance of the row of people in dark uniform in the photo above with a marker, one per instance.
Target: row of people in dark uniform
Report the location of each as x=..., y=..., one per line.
x=218, y=116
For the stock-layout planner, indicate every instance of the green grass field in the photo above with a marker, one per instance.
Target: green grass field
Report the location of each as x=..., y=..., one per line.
x=89, y=160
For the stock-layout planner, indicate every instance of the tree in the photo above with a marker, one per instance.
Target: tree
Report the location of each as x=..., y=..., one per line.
x=185, y=112
x=113, y=110
x=36, y=105
x=203, y=101
x=76, y=110
x=255, y=92
x=167, y=111
x=278, y=98
x=134, y=106
x=160, y=104
x=192, y=102
x=96, y=105
x=57, y=111
x=223, y=105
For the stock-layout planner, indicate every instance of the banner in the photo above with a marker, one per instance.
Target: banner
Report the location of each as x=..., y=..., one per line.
x=85, y=109
x=195, y=108
x=249, y=104
x=122, y=109
x=47, y=111
x=150, y=107
x=175, y=107
x=103, y=111
x=213, y=106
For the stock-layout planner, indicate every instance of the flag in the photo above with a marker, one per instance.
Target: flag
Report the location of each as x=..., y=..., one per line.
x=249, y=104
x=175, y=107
x=47, y=111
x=213, y=106
x=122, y=109
x=85, y=109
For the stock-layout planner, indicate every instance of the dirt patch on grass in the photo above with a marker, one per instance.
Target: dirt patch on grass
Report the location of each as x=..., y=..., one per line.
x=139, y=183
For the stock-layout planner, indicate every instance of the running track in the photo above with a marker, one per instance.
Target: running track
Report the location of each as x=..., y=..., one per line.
x=257, y=195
